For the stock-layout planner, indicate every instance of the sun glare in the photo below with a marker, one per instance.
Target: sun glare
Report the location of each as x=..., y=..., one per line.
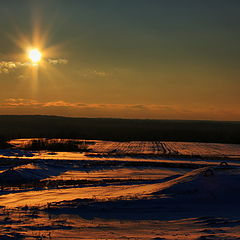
x=34, y=55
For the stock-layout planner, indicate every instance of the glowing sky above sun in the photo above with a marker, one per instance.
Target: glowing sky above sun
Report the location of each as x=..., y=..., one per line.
x=121, y=58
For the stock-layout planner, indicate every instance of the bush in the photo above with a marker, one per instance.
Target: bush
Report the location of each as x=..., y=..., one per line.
x=56, y=145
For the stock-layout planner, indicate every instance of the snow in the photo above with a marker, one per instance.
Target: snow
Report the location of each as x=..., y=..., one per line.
x=204, y=149
x=28, y=172
x=151, y=148
x=198, y=185
x=122, y=173
x=179, y=148
x=148, y=201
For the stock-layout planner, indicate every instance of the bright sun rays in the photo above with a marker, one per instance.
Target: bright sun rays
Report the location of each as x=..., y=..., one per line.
x=38, y=55
x=35, y=56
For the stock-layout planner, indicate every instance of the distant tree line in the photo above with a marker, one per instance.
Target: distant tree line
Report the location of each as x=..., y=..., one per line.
x=118, y=129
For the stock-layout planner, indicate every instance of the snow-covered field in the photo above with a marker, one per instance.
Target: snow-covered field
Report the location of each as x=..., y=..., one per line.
x=177, y=148
x=204, y=149
x=133, y=190
x=156, y=148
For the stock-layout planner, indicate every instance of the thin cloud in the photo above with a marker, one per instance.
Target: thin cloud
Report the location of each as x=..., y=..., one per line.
x=139, y=106
x=93, y=73
x=57, y=61
x=16, y=102
x=78, y=109
x=10, y=66
x=100, y=73
x=59, y=104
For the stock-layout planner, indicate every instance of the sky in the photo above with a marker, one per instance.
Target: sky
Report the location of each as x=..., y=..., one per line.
x=147, y=59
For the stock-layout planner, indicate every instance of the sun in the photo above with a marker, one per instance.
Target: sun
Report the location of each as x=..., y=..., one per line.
x=34, y=55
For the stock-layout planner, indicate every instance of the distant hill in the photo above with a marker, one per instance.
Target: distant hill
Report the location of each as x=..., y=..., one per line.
x=119, y=129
